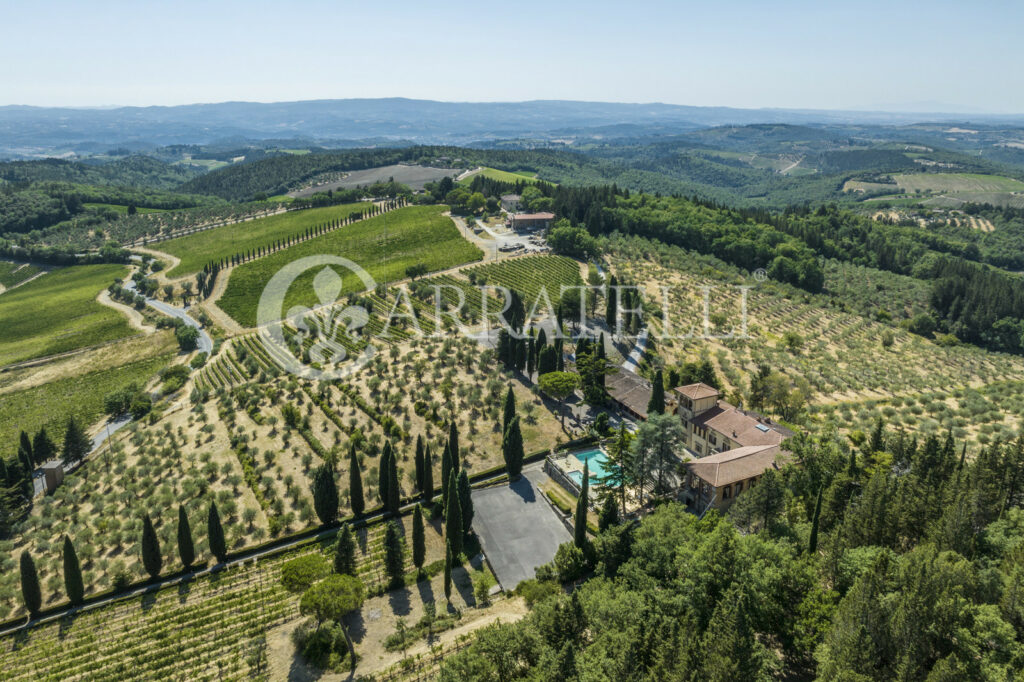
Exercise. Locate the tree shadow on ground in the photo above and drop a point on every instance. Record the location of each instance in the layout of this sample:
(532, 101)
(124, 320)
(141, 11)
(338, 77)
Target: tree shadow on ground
(524, 489)
(426, 590)
(464, 584)
(399, 601)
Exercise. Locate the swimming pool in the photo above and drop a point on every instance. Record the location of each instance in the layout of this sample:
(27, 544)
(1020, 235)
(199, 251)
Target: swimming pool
(596, 460)
(577, 477)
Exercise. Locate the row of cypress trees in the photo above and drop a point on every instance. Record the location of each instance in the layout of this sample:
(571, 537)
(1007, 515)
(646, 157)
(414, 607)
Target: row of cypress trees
(152, 558)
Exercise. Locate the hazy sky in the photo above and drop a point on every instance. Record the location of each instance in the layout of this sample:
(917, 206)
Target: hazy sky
(910, 56)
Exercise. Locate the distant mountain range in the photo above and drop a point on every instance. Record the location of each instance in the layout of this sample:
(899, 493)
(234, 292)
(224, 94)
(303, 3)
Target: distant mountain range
(27, 131)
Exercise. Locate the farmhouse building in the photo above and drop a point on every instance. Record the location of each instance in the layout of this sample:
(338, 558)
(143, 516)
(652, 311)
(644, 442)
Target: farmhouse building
(510, 202)
(630, 393)
(713, 482)
(531, 221)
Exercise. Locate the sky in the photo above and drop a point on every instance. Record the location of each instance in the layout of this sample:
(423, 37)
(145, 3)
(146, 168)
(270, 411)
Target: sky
(916, 56)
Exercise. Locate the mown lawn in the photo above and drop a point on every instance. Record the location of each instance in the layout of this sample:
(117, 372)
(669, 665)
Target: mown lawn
(196, 250)
(58, 312)
(414, 235)
(503, 176)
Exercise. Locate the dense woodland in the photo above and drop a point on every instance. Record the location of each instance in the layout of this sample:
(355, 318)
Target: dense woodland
(895, 560)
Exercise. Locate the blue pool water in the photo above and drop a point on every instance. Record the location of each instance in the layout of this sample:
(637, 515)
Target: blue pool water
(596, 461)
(577, 477)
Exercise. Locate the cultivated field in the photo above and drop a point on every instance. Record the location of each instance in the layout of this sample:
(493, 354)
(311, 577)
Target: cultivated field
(46, 395)
(236, 448)
(210, 628)
(413, 176)
(385, 246)
(12, 274)
(58, 312)
(196, 250)
(956, 182)
(841, 355)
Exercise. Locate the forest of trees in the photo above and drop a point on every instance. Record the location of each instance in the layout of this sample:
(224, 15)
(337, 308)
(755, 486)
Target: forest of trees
(896, 560)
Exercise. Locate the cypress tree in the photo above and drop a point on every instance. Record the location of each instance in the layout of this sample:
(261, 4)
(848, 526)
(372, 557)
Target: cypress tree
(546, 360)
(580, 523)
(394, 501)
(152, 560)
(345, 552)
(466, 500)
(656, 405)
(812, 546)
(325, 494)
(419, 545)
(73, 584)
(611, 303)
(419, 462)
(531, 357)
(453, 444)
(559, 356)
(510, 409)
(30, 590)
(394, 556)
(215, 534)
(448, 570)
(384, 474)
(542, 339)
(428, 476)
(186, 549)
(355, 484)
(446, 472)
(512, 449)
(453, 516)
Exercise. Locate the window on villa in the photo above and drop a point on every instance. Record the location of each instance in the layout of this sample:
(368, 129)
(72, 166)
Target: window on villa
(738, 487)
(726, 493)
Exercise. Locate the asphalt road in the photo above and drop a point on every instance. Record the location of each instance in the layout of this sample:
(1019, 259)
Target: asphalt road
(204, 344)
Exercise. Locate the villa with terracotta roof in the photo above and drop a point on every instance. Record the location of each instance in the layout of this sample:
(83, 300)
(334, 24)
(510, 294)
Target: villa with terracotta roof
(715, 481)
(731, 447)
(713, 425)
(531, 221)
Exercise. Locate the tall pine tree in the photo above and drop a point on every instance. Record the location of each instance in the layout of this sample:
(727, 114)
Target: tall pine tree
(394, 501)
(512, 449)
(419, 462)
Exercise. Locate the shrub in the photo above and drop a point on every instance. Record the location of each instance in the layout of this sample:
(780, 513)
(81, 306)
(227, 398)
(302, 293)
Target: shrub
(324, 647)
(299, 573)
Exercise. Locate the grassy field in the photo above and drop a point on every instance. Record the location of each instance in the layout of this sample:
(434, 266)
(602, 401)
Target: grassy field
(15, 273)
(80, 393)
(503, 176)
(956, 182)
(415, 235)
(196, 250)
(58, 312)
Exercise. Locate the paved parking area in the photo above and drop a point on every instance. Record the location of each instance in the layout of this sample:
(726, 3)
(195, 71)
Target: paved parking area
(518, 530)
